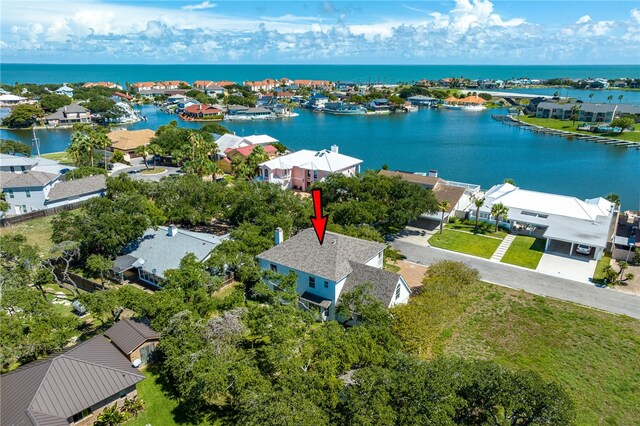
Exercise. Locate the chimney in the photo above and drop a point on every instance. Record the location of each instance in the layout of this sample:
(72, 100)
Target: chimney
(279, 236)
(173, 230)
(334, 148)
(433, 173)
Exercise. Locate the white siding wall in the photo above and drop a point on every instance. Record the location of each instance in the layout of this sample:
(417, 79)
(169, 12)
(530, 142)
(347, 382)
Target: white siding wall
(404, 294)
(35, 201)
(376, 261)
(327, 292)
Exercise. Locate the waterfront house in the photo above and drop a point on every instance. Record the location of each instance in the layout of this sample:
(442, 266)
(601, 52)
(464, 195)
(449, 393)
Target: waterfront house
(564, 222)
(299, 170)
(70, 387)
(161, 249)
(202, 112)
(421, 100)
(68, 115)
(11, 100)
(587, 112)
(459, 195)
(135, 339)
(212, 87)
(327, 271)
(261, 140)
(379, 106)
(230, 142)
(20, 164)
(242, 153)
(126, 141)
(346, 85)
(317, 101)
(64, 90)
(107, 84)
(119, 96)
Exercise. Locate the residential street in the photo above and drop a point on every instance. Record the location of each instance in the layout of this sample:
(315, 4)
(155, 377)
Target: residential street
(530, 281)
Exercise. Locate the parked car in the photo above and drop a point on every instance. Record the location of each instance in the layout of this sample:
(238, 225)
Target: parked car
(634, 231)
(583, 249)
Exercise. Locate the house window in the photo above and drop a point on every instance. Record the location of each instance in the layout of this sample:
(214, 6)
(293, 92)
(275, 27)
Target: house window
(274, 268)
(27, 193)
(398, 292)
(81, 415)
(315, 175)
(326, 284)
(10, 193)
(13, 169)
(312, 282)
(22, 168)
(23, 208)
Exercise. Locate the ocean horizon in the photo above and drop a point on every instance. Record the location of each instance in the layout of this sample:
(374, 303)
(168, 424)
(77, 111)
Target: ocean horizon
(122, 73)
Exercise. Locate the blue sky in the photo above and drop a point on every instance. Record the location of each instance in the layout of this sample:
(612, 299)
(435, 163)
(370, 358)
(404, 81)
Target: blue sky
(321, 32)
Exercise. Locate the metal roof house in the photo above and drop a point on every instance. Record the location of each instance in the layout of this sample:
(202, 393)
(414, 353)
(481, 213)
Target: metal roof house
(161, 249)
(563, 221)
(71, 387)
(135, 339)
(325, 271)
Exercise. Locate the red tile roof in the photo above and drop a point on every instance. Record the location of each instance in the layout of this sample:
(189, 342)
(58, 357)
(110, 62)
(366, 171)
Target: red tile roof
(245, 151)
(204, 109)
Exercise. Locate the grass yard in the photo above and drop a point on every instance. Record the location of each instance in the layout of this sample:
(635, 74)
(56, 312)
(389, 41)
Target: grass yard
(568, 125)
(159, 408)
(598, 275)
(524, 251)
(37, 231)
(463, 242)
(62, 157)
(155, 171)
(592, 354)
(484, 228)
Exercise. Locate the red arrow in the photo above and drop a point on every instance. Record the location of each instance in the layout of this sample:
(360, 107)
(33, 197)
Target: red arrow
(318, 221)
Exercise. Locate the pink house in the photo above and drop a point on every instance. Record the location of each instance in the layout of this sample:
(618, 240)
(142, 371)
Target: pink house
(301, 169)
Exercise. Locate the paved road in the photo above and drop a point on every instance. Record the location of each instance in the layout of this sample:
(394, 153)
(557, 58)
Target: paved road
(530, 281)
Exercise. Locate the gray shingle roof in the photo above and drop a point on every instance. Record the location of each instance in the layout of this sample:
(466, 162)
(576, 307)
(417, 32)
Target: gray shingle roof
(383, 282)
(160, 251)
(78, 187)
(49, 391)
(330, 260)
(30, 179)
(128, 334)
(63, 111)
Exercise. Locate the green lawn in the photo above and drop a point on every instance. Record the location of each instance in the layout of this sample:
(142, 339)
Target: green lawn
(153, 171)
(62, 157)
(592, 354)
(598, 275)
(484, 228)
(159, 408)
(569, 126)
(38, 231)
(476, 245)
(524, 251)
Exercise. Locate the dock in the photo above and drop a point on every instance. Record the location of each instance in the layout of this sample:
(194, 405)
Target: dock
(510, 120)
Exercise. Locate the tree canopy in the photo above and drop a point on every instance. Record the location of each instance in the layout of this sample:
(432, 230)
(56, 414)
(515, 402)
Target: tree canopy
(8, 146)
(23, 115)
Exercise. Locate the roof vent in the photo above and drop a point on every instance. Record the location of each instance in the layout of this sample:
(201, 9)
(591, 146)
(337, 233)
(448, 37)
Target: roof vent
(334, 241)
(173, 230)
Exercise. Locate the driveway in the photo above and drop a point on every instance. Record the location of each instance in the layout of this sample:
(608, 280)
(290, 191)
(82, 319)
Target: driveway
(530, 281)
(570, 268)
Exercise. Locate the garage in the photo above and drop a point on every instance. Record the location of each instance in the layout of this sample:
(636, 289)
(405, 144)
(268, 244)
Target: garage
(569, 249)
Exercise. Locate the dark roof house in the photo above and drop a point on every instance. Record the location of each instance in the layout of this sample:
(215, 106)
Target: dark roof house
(67, 386)
(129, 334)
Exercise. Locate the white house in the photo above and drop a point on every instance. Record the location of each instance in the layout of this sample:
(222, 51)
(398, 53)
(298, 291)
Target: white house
(34, 190)
(325, 271)
(301, 169)
(162, 249)
(65, 90)
(20, 164)
(563, 221)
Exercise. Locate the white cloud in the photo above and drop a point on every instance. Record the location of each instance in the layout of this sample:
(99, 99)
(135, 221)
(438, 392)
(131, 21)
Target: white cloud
(584, 20)
(470, 32)
(200, 6)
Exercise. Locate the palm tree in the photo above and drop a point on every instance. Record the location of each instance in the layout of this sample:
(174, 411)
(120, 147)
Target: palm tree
(155, 150)
(478, 203)
(610, 98)
(620, 98)
(574, 113)
(143, 151)
(497, 211)
(443, 206)
(591, 96)
(81, 146)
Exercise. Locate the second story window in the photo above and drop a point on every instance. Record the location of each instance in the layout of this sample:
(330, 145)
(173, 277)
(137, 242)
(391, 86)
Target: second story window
(27, 193)
(312, 282)
(10, 193)
(274, 268)
(326, 284)
(398, 292)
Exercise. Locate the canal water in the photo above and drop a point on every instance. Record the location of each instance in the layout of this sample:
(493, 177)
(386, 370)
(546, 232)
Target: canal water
(462, 146)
